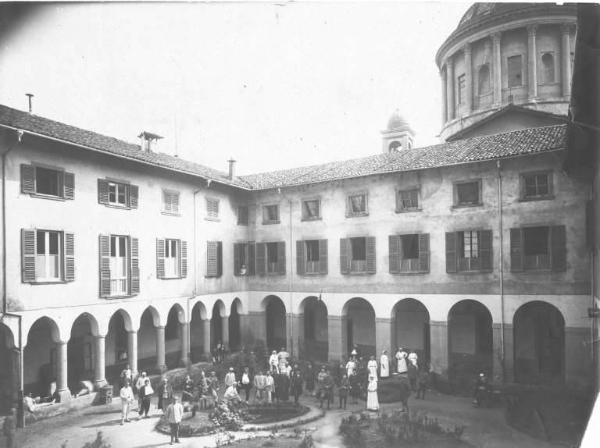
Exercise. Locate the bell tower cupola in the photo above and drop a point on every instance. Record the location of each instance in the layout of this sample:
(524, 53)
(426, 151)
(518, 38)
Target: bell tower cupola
(398, 135)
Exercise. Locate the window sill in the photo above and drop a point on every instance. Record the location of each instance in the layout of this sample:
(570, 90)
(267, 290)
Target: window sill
(358, 273)
(170, 278)
(115, 297)
(409, 210)
(48, 282)
(47, 196)
(169, 213)
(480, 271)
(242, 224)
(237, 274)
(357, 215)
(537, 198)
(410, 273)
(312, 219)
(118, 207)
(312, 274)
(535, 271)
(213, 276)
(212, 218)
(480, 204)
(274, 273)
(268, 223)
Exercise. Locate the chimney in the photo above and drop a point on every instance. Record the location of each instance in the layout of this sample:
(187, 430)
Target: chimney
(29, 97)
(147, 140)
(231, 168)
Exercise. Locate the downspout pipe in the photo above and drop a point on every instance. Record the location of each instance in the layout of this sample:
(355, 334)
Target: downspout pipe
(501, 235)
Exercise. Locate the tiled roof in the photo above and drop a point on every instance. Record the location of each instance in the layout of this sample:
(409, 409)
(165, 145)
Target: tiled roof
(476, 149)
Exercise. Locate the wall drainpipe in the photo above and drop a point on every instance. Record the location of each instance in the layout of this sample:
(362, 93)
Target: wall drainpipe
(501, 234)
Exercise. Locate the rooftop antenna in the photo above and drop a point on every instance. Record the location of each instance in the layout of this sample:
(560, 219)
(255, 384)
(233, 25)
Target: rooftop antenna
(29, 97)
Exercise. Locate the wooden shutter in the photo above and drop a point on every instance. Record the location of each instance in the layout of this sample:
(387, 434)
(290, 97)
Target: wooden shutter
(451, 261)
(250, 260)
(300, 258)
(261, 258)
(281, 257)
(102, 191)
(323, 257)
(238, 249)
(28, 248)
(424, 252)
(516, 250)
(104, 251)
(174, 202)
(27, 179)
(133, 196)
(211, 258)
(486, 250)
(160, 258)
(183, 261)
(69, 248)
(394, 253)
(558, 247)
(134, 266)
(345, 255)
(219, 259)
(69, 185)
(371, 255)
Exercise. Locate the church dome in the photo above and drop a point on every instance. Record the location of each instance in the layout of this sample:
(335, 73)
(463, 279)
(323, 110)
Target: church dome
(397, 122)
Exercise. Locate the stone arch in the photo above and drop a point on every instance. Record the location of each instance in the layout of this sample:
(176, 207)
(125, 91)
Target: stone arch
(235, 330)
(539, 343)
(275, 322)
(315, 336)
(410, 328)
(198, 320)
(358, 326)
(9, 369)
(81, 350)
(40, 357)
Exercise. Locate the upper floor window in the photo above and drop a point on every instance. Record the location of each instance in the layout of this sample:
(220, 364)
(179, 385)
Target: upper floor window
(467, 193)
(271, 214)
(47, 256)
(536, 185)
(409, 253)
(170, 202)
(311, 209)
(243, 258)
(311, 257)
(469, 251)
(171, 258)
(270, 258)
(212, 208)
(117, 194)
(538, 248)
(462, 87)
(514, 66)
(484, 85)
(119, 265)
(49, 182)
(357, 205)
(242, 215)
(214, 258)
(547, 68)
(407, 200)
(357, 255)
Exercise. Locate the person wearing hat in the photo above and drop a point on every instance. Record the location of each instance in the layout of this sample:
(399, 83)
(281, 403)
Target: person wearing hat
(165, 394)
(230, 378)
(401, 356)
(273, 361)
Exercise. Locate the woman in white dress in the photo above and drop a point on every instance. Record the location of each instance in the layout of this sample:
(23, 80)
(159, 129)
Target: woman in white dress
(372, 399)
(401, 366)
(384, 365)
(350, 366)
(372, 366)
(413, 357)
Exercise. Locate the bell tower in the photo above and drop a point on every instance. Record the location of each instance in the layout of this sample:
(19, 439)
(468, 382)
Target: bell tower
(398, 135)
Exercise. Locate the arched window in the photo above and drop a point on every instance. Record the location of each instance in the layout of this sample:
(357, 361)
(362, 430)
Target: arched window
(484, 79)
(548, 67)
(395, 146)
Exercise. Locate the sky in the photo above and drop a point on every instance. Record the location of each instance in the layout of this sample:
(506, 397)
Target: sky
(273, 85)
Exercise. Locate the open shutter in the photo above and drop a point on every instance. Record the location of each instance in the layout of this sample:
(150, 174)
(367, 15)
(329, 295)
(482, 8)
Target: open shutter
(300, 258)
(102, 191)
(394, 253)
(104, 251)
(183, 266)
(558, 241)
(260, 258)
(485, 250)
(516, 250)
(27, 179)
(219, 259)
(371, 255)
(28, 245)
(133, 196)
(69, 185)
(323, 257)
(211, 258)
(69, 242)
(450, 252)
(160, 258)
(424, 252)
(250, 260)
(345, 255)
(174, 202)
(281, 257)
(134, 266)
(237, 257)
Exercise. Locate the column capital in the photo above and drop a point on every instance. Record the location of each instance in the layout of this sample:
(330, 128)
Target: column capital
(565, 28)
(496, 37)
(467, 47)
(449, 63)
(531, 30)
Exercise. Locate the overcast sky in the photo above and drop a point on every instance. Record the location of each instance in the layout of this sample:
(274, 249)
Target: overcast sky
(272, 85)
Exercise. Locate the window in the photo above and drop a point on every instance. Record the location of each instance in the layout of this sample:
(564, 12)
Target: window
(407, 200)
(467, 193)
(171, 258)
(214, 258)
(117, 194)
(311, 257)
(170, 202)
(212, 208)
(395, 146)
(271, 214)
(469, 251)
(409, 253)
(243, 259)
(356, 205)
(311, 209)
(357, 255)
(538, 248)
(49, 182)
(536, 186)
(484, 85)
(270, 258)
(547, 68)
(462, 87)
(242, 215)
(514, 68)
(119, 266)
(47, 256)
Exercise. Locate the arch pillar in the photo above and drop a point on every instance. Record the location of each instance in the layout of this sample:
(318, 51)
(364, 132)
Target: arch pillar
(498, 360)
(225, 331)
(293, 328)
(438, 331)
(206, 338)
(160, 349)
(100, 364)
(185, 343)
(383, 334)
(335, 332)
(132, 351)
(62, 382)
(509, 354)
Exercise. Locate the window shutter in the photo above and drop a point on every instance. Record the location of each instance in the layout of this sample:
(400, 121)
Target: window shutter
(134, 266)
(160, 258)
(300, 258)
(183, 259)
(69, 185)
(237, 257)
(345, 255)
(69, 249)
(486, 250)
(175, 202)
(394, 253)
(371, 255)
(27, 179)
(219, 259)
(104, 252)
(558, 241)
(28, 245)
(211, 259)
(281, 257)
(450, 252)
(250, 262)
(516, 250)
(260, 258)
(133, 196)
(323, 257)
(102, 191)
(424, 252)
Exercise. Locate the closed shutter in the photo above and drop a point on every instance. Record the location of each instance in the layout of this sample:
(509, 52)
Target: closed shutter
(486, 250)
(261, 258)
(134, 266)
(104, 251)
(300, 258)
(27, 179)
(102, 191)
(69, 242)
(238, 249)
(323, 255)
(516, 250)
(281, 257)
(69, 185)
(371, 255)
(394, 253)
(424, 252)
(450, 252)
(250, 260)
(211, 259)
(160, 258)
(345, 255)
(558, 240)
(133, 196)
(183, 267)
(28, 247)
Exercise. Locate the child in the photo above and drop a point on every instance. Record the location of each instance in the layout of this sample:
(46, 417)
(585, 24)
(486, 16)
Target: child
(343, 391)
